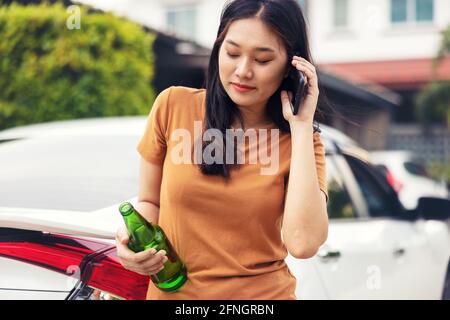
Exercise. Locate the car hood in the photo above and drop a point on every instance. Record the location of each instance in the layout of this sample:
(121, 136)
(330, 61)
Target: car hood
(96, 224)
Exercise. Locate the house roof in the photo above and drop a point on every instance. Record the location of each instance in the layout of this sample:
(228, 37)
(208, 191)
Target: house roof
(406, 73)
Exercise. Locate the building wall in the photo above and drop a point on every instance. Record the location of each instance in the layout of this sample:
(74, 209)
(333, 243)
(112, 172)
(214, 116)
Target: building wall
(432, 146)
(369, 129)
(370, 35)
(153, 13)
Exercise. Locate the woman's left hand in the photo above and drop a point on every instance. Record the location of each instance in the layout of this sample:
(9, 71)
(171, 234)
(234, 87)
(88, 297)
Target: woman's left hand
(309, 103)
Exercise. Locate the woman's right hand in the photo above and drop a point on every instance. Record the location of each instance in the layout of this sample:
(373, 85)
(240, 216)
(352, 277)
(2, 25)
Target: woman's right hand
(148, 262)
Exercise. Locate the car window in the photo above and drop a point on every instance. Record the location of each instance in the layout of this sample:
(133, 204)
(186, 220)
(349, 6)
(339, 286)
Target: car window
(416, 168)
(81, 172)
(380, 197)
(339, 204)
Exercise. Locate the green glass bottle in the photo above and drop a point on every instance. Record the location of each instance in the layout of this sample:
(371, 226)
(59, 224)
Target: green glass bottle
(144, 235)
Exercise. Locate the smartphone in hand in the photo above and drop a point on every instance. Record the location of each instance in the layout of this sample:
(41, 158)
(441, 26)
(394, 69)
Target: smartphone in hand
(295, 83)
(299, 93)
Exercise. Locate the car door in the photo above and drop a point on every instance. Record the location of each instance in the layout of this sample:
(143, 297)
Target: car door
(351, 261)
(411, 269)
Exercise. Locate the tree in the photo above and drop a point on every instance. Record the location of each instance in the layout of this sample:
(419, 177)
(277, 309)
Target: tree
(50, 72)
(433, 102)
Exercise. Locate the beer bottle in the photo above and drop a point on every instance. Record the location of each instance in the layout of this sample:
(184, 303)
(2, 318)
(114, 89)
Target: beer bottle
(144, 235)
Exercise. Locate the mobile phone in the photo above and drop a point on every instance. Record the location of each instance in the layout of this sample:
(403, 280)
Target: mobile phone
(299, 93)
(295, 83)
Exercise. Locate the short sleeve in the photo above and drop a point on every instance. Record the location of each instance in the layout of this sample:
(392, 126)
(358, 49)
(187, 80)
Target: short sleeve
(153, 144)
(319, 152)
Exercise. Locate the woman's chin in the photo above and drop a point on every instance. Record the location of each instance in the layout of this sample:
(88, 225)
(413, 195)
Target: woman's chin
(241, 100)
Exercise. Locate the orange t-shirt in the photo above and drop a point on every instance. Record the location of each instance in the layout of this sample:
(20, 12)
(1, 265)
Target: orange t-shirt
(228, 234)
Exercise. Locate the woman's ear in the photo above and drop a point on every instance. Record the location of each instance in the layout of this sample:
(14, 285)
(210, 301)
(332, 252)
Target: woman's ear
(288, 69)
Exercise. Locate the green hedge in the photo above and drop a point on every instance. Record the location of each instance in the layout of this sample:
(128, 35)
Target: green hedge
(49, 72)
(432, 104)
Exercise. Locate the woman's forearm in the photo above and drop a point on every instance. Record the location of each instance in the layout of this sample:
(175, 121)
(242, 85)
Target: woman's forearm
(305, 221)
(148, 210)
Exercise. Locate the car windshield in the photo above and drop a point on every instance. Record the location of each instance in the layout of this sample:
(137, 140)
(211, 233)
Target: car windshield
(68, 173)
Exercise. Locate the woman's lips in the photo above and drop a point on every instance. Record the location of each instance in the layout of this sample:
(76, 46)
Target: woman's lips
(241, 89)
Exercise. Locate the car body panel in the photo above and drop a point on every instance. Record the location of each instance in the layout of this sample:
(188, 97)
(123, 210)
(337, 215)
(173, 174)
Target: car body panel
(413, 186)
(26, 281)
(99, 225)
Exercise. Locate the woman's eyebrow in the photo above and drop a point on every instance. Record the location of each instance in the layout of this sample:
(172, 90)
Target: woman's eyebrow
(264, 49)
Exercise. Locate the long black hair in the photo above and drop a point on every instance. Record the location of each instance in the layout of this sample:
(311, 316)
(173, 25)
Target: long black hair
(286, 19)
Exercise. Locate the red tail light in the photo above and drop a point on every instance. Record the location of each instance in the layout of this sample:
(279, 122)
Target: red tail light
(396, 184)
(97, 263)
(109, 275)
(58, 253)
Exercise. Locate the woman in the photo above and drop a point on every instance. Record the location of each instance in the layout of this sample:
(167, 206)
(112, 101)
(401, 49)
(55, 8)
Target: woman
(232, 222)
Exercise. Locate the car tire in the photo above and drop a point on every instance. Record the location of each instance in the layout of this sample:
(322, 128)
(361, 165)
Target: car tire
(446, 291)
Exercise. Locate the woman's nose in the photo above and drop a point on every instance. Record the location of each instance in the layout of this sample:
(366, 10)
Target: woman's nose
(243, 69)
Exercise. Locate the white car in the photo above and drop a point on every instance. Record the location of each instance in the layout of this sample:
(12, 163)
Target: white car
(408, 176)
(61, 183)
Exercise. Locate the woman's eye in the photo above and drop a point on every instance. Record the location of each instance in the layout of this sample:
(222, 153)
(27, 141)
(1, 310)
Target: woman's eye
(258, 61)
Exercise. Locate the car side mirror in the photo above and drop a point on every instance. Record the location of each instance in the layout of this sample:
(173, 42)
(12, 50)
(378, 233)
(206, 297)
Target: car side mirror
(433, 208)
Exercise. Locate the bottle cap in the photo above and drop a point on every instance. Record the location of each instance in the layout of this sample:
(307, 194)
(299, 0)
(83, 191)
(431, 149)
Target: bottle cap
(125, 208)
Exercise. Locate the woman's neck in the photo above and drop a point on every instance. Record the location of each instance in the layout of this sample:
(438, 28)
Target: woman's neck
(253, 118)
